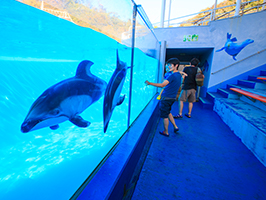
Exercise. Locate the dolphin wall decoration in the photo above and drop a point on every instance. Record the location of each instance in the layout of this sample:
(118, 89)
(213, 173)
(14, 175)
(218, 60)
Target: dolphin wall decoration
(65, 100)
(233, 48)
(112, 96)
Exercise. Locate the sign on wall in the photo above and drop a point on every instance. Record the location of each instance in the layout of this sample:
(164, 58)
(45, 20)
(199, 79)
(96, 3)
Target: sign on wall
(191, 38)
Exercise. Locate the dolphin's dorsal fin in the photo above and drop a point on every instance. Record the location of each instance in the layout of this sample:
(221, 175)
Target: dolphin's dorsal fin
(234, 39)
(83, 69)
(119, 64)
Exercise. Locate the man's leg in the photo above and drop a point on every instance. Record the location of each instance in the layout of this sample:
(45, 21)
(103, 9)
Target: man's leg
(181, 105)
(190, 106)
(166, 124)
(171, 118)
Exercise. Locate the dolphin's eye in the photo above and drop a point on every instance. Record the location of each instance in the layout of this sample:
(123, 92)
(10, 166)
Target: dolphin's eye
(54, 112)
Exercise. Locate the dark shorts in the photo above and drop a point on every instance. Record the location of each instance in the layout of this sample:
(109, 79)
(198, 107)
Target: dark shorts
(165, 107)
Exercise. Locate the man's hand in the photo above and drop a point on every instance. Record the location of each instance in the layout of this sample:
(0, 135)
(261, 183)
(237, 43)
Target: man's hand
(183, 74)
(147, 82)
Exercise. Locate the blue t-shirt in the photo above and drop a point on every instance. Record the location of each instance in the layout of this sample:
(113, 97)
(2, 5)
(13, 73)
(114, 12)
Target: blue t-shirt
(167, 74)
(171, 89)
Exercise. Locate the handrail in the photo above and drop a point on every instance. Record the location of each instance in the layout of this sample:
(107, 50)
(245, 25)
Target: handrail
(238, 61)
(243, 11)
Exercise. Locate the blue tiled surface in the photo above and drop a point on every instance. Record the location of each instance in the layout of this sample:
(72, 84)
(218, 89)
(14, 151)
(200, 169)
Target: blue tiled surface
(204, 161)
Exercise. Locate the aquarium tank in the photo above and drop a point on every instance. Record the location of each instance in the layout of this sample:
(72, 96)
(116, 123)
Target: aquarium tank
(71, 85)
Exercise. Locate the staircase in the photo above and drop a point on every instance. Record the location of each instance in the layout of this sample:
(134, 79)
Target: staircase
(245, 116)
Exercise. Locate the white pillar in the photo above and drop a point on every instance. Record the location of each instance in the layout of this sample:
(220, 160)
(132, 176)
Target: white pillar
(42, 6)
(162, 13)
(263, 7)
(214, 10)
(169, 13)
(238, 4)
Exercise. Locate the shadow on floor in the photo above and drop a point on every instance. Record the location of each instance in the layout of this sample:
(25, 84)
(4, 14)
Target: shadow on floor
(205, 160)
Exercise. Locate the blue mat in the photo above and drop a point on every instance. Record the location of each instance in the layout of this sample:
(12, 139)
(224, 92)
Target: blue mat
(205, 160)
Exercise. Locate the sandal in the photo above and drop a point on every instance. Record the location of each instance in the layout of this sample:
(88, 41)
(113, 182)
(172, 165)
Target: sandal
(188, 115)
(176, 130)
(178, 116)
(163, 133)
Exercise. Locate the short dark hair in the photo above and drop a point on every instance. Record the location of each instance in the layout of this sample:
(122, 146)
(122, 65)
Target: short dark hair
(174, 61)
(195, 62)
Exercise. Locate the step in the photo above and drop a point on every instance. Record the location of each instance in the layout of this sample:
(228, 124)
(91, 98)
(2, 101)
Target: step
(227, 93)
(213, 95)
(254, 78)
(247, 122)
(246, 83)
(206, 103)
(253, 101)
(263, 72)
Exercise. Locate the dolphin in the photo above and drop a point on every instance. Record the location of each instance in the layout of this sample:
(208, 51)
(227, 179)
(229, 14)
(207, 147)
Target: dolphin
(234, 48)
(112, 96)
(65, 100)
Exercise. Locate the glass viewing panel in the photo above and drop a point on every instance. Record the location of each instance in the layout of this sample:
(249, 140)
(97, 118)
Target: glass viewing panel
(53, 115)
(146, 64)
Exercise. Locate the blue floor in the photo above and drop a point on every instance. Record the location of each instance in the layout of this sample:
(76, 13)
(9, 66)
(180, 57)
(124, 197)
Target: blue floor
(204, 161)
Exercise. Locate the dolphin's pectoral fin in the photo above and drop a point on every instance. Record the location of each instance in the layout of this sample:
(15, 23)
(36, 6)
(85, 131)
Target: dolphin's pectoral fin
(234, 57)
(79, 121)
(121, 99)
(220, 49)
(54, 127)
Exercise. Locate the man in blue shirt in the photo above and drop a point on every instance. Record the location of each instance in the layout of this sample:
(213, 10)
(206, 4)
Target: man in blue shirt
(171, 86)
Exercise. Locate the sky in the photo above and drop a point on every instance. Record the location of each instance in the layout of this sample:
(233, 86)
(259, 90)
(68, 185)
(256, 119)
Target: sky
(179, 8)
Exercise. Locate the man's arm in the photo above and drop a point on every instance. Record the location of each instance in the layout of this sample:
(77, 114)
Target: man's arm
(161, 85)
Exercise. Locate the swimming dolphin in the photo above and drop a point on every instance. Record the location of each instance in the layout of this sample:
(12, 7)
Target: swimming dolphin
(65, 100)
(112, 96)
(234, 48)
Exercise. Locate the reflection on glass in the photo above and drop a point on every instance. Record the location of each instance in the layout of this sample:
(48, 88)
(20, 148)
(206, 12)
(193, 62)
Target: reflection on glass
(146, 65)
(40, 51)
(101, 15)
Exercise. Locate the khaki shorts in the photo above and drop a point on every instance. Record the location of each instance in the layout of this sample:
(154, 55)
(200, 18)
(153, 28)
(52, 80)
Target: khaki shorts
(188, 95)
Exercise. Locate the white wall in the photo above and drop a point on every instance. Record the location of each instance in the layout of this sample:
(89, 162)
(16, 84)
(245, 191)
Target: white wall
(251, 26)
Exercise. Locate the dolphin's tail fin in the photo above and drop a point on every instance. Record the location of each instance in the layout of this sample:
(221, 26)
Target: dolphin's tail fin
(83, 69)
(220, 49)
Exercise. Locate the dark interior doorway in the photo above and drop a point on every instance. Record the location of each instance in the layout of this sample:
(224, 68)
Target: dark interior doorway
(186, 54)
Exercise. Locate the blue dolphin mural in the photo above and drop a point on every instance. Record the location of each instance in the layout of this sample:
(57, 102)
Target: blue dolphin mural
(233, 48)
(112, 94)
(65, 100)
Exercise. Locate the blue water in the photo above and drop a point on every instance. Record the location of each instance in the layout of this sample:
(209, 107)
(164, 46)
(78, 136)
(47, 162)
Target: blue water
(52, 164)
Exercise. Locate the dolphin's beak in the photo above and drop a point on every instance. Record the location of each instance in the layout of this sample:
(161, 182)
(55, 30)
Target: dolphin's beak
(28, 125)
(25, 128)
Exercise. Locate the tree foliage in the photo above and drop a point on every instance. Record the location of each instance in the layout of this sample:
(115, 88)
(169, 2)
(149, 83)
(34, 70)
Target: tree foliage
(84, 14)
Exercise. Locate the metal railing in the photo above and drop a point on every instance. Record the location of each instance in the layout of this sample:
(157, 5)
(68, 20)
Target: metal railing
(238, 61)
(204, 17)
